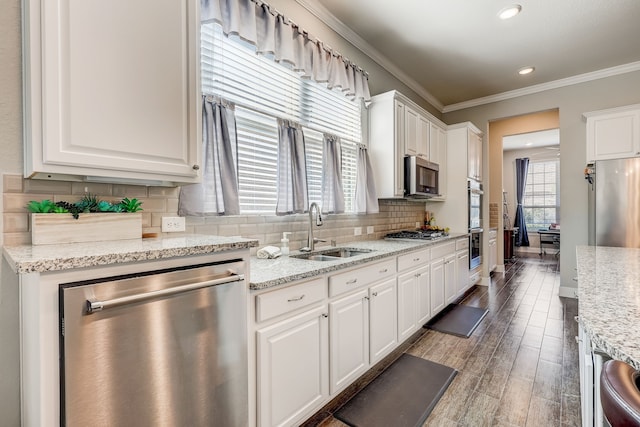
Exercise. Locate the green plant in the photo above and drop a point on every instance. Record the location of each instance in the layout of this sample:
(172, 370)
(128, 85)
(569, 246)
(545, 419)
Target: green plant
(44, 206)
(131, 205)
(88, 203)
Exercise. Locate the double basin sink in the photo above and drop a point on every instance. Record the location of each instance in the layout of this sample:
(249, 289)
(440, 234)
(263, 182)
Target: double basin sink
(332, 254)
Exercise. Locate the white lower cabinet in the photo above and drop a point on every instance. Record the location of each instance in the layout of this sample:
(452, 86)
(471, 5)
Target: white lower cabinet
(462, 267)
(407, 307)
(383, 305)
(292, 368)
(436, 274)
(450, 282)
(349, 331)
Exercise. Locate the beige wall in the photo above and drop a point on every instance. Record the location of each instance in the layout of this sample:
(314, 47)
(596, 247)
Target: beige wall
(571, 101)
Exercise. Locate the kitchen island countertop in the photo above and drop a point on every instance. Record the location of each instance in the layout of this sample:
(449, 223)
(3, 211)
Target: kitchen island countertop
(267, 273)
(38, 259)
(609, 299)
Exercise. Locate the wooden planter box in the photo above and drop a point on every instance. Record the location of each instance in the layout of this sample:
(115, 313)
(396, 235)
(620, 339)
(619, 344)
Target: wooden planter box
(51, 228)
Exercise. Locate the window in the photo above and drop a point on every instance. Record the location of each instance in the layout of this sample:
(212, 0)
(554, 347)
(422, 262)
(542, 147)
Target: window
(264, 90)
(541, 203)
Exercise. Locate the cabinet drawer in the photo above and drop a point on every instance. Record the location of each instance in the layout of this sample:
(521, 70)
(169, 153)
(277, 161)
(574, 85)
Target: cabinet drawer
(440, 251)
(462, 244)
(413, 259)
(344, 282)
(272, 304)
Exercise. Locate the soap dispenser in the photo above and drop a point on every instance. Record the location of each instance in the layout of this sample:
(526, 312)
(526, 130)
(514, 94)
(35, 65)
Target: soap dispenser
(284, 247)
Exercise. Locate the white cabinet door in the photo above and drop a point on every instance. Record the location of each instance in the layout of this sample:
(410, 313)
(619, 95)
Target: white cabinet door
(412, 132)
(474, 155)
(112, 90)
(424, 137)
(613, 135)
(293, 364)
(399, 148)
(437, 285)
(424, 295)
(349, 339)
(462, 265)
(450, 284)
(383, 305)
(438, 154)
(407, 307)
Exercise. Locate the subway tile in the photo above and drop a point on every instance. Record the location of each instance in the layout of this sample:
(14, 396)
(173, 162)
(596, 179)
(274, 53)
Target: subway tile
(44, 186)
(16, 239)
(130, 191)
(168, 192)
(11, 183)
(82, 188)
(17, 202)
(15, 222)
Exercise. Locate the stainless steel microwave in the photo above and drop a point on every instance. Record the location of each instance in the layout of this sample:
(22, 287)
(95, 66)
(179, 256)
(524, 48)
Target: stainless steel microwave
(420, 178)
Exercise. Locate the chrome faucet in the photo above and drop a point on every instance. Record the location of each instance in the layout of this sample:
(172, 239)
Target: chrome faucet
(311, 242)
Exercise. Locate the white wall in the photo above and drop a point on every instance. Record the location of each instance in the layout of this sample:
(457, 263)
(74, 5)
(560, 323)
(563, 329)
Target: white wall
(571, 101)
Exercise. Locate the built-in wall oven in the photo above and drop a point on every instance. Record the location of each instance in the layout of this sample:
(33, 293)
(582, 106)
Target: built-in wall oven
(475, 223)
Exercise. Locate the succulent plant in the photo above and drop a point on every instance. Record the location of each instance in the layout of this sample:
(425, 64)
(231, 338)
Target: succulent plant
(44, 206)
(88, 203)
(131, 205)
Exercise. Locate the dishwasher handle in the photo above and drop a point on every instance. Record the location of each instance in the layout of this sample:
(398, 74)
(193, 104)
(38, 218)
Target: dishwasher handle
(94, 306)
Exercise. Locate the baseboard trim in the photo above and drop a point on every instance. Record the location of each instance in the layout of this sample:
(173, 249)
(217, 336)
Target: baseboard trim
(485, 281)
(567, 292)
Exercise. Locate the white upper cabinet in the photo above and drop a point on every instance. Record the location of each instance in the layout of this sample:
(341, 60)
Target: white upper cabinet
(398, 128)
(474, 155)
(613, 133)
(112, 89)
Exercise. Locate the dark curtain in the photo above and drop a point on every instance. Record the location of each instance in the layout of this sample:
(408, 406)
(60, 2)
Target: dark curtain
(522, 165)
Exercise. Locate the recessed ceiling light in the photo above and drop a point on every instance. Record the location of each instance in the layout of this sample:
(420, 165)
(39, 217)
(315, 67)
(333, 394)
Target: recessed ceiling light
(510, 11)
(526, 70)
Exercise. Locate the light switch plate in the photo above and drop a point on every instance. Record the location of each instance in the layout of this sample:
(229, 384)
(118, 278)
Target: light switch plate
(370, 229)
(357, 231)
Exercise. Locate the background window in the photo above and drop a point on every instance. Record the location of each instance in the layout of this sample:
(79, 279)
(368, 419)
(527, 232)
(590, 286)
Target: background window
(541, 203)
(264, 90)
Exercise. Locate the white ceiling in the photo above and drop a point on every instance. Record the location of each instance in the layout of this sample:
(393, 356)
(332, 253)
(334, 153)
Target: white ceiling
(546, 138)
(454, 51)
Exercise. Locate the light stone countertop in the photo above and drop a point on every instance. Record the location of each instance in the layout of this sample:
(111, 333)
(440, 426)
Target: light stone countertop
(267, 273)
(31, 259)
(609, 300)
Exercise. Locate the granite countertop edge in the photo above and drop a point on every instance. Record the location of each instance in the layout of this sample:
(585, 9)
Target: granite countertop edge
(607, 295)
(270, 273)
(46, 258)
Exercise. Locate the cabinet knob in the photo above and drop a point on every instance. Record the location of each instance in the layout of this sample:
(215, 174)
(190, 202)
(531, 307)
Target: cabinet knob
(375, 294)
(296, 298)
(325, 315)
(195, 167)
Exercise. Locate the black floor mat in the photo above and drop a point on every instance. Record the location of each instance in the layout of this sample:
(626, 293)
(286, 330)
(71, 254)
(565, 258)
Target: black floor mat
(402, 396)
(457, 319)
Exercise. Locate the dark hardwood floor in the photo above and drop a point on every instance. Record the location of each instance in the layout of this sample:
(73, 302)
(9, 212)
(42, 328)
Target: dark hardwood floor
(520, 366)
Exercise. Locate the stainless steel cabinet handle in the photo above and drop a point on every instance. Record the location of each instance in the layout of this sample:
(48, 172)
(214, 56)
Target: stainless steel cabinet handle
(351, 282)
(418, 274)
(296, 299)
(416, 259)
(93, 306)
(375, 294)
(384, 271)
(196, 167)
(325, 315)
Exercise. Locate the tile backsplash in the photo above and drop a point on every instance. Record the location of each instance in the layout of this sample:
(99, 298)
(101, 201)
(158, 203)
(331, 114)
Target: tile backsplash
(157, 202)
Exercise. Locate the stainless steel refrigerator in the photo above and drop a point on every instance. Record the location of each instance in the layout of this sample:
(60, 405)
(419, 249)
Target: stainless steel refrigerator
(614, 202)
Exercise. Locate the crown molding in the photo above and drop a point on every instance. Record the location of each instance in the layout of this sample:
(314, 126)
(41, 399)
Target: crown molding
(321, 12)
(580, 78)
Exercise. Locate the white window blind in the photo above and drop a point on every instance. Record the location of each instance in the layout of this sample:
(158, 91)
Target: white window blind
(541, 202)
(264, 90)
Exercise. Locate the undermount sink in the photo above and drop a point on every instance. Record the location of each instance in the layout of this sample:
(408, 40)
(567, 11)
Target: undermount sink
(332, 254)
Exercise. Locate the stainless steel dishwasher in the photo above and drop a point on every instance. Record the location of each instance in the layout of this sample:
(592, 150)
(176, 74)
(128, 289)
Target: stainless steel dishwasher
(159, 348)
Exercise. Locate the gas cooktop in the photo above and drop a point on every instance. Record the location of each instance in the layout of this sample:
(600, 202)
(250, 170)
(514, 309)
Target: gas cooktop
(415, 235)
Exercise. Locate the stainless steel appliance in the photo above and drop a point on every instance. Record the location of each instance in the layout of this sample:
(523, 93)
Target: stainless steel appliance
(159, 348)
(421, 178)
(614, 202)
(474, 204)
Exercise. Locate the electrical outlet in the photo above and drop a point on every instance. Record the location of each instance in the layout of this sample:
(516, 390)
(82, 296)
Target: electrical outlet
(172, 224)
(370, 229)
(357, 231)
(417, 225)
